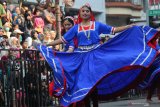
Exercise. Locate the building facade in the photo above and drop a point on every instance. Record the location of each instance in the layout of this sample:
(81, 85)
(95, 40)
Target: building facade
(121, 12)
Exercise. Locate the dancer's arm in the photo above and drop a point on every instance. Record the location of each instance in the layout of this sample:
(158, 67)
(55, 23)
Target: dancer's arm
(121, 28)
(53, 43)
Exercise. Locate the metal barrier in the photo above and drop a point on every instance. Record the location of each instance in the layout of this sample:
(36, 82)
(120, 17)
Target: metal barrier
(24, 79)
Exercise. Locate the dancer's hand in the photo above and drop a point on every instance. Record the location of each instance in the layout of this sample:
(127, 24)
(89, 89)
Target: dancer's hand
(131, 25)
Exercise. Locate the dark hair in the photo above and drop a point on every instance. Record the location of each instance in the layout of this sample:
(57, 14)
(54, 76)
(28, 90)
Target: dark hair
(69, 19)
(3, 1)
(36, 10)
(13, 35)
(87, 7)
(32, 33)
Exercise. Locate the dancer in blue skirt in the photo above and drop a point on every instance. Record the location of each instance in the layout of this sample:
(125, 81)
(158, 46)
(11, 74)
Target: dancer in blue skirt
(68, 22)
(152, 80)
(112, 68)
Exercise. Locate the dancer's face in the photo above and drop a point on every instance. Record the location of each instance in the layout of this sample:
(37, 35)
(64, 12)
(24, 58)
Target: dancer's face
(85, 13)
(67, 25)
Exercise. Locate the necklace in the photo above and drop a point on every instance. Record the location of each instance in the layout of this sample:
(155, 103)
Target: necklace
(89, 31)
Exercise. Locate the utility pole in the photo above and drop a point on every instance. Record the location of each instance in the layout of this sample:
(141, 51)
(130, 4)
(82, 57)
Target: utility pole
(58, 18)
(147, 11)
(20, 3)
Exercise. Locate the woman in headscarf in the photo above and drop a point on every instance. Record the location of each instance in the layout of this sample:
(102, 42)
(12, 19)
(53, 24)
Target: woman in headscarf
(112, 68)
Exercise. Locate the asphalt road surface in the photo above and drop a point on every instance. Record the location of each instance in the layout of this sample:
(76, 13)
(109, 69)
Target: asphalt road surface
(131, 103)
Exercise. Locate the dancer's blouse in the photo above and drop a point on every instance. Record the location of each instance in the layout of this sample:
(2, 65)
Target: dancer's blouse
(87, 35)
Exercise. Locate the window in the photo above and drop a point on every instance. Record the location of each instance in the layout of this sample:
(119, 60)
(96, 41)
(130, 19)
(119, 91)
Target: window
(137, 2)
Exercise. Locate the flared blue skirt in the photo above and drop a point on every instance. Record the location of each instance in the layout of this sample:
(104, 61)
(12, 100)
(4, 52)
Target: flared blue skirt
(153, 74)
(112, 68)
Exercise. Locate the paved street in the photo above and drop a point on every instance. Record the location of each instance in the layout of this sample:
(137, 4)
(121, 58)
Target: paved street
(141, 102)
(131, 103)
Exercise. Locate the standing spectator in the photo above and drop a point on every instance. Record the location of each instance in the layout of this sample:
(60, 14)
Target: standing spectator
(38, 20)
(24, 45)
(4, 45)
(19, 33)
(28, 39)
(15, 46)
(47, 37)
(7, 26)
(28, 21)
(14, 18)
(2, 13)
(35, 39)
(8, 17)
(53, 35)
(20, 18)
(49, 17)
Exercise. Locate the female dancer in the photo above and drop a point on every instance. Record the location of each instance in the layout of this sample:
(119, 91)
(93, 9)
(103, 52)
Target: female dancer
(112, 68)
(152, 80)
(68, 22)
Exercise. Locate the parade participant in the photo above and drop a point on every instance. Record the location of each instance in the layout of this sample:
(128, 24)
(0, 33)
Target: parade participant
(68, 22)
(112, 68)
(151, 82)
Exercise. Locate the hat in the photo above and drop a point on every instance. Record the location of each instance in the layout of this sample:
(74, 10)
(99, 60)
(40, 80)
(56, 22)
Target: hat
(39, 30)
(4, 3)
(17, 31)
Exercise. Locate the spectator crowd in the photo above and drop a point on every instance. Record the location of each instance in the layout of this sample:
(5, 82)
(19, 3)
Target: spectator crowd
(23, 28)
